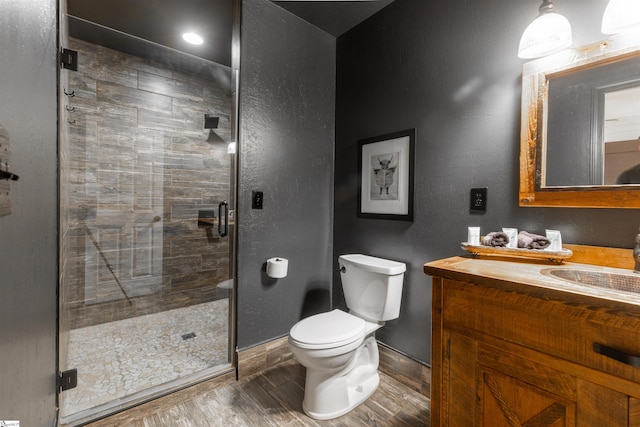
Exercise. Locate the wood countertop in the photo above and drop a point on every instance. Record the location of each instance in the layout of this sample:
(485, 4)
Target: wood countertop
(510, 274)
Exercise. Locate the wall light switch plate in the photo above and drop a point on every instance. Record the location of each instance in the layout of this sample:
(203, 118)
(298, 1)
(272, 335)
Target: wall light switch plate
(478, 199)
(257, 198)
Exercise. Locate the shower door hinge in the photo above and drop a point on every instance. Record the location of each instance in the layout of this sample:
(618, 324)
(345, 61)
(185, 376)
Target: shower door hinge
(69, 59)
(67, 379)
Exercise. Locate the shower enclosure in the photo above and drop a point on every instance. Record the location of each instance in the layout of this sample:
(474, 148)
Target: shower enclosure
(147, 195)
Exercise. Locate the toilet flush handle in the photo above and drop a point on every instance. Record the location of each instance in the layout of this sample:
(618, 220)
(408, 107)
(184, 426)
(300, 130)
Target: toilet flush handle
(342, 269)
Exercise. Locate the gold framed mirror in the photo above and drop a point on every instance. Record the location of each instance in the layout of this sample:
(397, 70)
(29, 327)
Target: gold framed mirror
(564, 151)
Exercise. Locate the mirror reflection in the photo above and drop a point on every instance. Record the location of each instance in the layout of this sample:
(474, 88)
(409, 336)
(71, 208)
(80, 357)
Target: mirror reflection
(622, 137)
(593, 126)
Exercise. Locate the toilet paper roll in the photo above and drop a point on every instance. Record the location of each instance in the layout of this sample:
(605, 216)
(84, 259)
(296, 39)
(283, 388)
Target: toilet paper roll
(277, 267)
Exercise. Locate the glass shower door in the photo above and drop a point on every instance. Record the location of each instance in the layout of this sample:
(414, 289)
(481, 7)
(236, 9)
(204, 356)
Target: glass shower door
(146, 195)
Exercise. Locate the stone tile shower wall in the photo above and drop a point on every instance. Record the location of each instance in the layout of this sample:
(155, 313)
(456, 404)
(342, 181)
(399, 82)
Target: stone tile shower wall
(137, 168)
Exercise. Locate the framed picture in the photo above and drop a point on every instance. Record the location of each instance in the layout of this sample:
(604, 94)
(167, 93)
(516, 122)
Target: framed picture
(385, 169)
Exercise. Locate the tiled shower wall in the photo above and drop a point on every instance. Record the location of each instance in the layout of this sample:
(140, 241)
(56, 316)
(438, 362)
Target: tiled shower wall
(137, 166)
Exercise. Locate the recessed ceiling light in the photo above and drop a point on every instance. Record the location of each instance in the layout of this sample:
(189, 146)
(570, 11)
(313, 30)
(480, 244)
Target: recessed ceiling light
(192, 38)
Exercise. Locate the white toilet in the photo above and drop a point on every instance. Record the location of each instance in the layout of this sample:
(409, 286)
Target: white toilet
(339, 349)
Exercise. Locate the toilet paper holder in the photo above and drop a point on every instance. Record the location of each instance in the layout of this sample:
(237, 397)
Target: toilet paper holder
(277, 267)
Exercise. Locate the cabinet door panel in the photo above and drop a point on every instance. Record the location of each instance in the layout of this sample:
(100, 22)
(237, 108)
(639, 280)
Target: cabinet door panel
(460, 397)
(528, 370)
(509, 402)
(599, 406)
(634, 412)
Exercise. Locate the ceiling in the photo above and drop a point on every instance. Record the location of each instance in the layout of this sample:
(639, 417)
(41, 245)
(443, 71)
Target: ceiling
(160, 21)
(334, 17)
(164, 21)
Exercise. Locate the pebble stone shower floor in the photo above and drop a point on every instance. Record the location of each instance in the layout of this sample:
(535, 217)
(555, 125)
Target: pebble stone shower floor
(120, 358)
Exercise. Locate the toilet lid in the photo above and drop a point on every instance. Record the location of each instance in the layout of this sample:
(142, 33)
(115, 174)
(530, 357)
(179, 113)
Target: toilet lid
(334, 327)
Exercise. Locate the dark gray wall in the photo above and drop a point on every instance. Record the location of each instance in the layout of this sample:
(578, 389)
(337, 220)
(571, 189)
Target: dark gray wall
(28, 254)
(287, 98)
(449, 69)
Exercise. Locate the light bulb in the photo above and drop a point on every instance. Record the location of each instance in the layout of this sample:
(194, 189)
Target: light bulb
(192, 38)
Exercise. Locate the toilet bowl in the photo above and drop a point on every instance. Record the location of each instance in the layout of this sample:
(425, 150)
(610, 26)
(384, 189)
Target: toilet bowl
(339, 349)
(340, 353)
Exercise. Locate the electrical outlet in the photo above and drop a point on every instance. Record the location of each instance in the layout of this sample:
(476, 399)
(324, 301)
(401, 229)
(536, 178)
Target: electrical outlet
(478, 199)
(256, 199)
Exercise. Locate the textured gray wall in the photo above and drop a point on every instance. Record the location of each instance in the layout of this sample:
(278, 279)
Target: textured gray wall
(287, 98)
(449, 69)
(28, 254)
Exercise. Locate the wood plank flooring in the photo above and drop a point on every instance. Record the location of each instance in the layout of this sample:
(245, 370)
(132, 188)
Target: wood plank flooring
(273, 398)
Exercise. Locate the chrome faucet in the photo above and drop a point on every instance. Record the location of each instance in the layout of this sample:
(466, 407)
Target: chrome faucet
(636, 255)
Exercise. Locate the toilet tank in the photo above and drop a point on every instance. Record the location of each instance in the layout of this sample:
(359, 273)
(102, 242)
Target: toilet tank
(372, 286)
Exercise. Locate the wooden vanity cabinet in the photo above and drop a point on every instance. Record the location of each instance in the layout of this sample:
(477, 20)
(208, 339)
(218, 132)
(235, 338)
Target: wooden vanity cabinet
(510, 355)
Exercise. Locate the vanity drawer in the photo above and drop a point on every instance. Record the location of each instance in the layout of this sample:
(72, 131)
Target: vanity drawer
(558, 324)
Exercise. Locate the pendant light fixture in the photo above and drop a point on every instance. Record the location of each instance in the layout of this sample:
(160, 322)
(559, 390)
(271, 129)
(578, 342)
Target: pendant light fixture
(621, 15)
(549, 33)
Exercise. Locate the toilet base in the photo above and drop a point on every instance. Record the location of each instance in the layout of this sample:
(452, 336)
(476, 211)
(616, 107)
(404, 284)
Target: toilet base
(330, 395)
(356, 397)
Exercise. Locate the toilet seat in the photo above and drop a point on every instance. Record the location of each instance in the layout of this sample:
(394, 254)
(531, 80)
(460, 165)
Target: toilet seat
(327, 330)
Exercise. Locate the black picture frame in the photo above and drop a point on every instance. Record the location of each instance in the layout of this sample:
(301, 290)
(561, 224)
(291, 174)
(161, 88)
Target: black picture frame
(385, 176)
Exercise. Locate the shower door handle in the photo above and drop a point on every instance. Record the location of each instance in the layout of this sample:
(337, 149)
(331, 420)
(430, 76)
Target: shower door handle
(226, 218)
